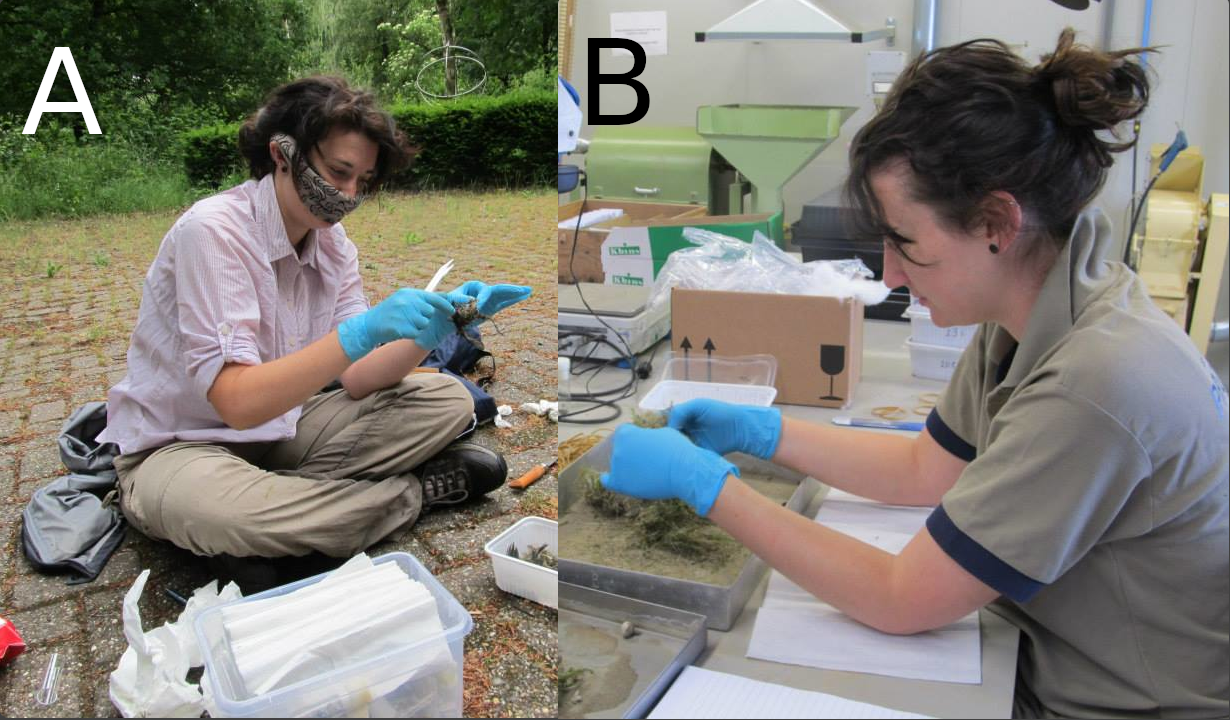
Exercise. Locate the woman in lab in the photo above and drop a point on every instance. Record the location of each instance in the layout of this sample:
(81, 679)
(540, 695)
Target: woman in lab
(1077, 460)
(253, 304)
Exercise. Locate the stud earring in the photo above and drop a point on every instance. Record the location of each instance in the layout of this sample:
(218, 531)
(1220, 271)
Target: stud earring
(994, 249)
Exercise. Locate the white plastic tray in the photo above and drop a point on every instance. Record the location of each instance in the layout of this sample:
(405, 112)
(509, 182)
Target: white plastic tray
(925, 332)
(672, 392)
(522, 577)
(933, 362)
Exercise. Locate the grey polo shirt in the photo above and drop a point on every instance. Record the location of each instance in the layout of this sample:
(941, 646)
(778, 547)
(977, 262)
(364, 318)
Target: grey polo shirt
(1095, 498)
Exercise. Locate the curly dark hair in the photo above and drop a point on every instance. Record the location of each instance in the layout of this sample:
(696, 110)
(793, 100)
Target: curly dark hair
(974, 118)
(308, 110)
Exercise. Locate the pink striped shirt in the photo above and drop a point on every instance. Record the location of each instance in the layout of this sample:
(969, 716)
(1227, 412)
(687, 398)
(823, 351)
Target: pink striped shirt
(226, 287)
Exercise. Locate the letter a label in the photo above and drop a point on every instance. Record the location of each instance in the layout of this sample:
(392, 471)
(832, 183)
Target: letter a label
(61, 56)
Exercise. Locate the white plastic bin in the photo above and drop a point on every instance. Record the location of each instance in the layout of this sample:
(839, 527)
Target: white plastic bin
(522, 577)
(743, 379)
(925, 332)
(933, 362)
(672, 392)
(347, 689)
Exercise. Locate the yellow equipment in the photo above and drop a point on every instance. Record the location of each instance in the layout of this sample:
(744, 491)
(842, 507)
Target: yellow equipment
(1180, 248)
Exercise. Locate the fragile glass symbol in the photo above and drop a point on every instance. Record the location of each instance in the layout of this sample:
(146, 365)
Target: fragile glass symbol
(832, 362)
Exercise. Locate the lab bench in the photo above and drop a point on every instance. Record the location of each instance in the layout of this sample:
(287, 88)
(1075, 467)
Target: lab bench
(886, 381)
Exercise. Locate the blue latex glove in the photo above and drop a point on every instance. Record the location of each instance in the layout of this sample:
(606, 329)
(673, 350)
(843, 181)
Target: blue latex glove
(723, 427)
(410, 314)
(491, 298)
(661, 463)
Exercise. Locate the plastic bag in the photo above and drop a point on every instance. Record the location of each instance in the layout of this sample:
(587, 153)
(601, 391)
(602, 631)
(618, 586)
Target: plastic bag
(71, 525)
(720, 262)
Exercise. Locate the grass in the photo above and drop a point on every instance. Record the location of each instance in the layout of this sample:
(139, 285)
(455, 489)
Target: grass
(79, 181)
(100, 260)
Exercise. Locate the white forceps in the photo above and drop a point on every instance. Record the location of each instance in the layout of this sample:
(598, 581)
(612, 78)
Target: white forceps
(435, 279)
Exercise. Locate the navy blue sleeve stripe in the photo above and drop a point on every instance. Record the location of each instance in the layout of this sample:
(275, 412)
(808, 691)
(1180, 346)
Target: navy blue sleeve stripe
(948, 439)
(979, 561)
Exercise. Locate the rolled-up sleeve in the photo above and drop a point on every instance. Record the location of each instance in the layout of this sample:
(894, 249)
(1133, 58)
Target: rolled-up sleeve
(216, 301)
(351, 300)
(953, 423)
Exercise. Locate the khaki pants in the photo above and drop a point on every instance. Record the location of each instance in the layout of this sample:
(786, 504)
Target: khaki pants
(339, 486)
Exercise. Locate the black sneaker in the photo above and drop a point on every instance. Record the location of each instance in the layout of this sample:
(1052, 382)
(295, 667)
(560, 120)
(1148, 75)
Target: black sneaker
(257, 574)
(251, 574)
(460, 472)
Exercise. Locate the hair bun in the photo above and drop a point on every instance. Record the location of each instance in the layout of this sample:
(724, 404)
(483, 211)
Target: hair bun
(1090, 88)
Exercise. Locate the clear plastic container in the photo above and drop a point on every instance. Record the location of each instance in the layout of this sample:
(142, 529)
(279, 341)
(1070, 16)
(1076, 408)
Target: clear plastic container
(743, 379)
(345, 691)
(923, 331)
(933, 362)
(522, 577)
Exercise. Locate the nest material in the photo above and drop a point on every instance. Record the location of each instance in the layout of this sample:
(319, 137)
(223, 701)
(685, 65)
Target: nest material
(537, 554)
(649, 419)
(467, 314)
(662, 524)
(570, 679)
(605, 502)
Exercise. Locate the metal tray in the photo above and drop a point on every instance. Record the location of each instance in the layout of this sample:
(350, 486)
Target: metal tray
(626, 676)
(720, 604)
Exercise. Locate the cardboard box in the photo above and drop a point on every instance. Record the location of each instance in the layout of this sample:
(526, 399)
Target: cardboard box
(657, 241)
(587, 263)
(818, 341)
(639, 272)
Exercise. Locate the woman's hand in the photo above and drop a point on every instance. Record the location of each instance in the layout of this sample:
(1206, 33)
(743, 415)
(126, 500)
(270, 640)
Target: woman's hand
(661, 463)
(723, 427)
(490, 299)
(407, 314)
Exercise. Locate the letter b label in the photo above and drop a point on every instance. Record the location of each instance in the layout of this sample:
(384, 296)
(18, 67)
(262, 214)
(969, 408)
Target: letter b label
(596, 79)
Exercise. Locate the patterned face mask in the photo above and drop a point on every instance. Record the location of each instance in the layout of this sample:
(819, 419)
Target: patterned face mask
(322, 199)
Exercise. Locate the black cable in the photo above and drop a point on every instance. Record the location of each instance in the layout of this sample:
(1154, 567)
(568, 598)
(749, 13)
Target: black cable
(596, 399)
(1127, 248)
(1136, 216)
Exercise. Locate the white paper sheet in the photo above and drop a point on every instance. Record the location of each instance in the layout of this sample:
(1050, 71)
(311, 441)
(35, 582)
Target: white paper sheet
(700, 693)
(151, 678)
(646, 28)
(591, 217)
(360, 610)
(794, 627)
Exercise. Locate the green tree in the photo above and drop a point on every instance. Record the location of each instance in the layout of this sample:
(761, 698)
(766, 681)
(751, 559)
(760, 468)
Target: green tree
(510, 37)
(513, 37)
(216, 53)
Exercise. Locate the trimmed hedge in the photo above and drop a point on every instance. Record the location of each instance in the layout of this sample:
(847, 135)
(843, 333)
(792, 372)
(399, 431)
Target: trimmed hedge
(212, 153)
(502, 141)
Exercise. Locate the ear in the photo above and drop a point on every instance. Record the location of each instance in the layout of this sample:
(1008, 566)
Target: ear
(1002, 218)
(275, 153)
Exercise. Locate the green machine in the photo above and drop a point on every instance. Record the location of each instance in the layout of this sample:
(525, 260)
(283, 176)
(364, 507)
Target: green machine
(770, 144)
(649, 163)
(734, 150)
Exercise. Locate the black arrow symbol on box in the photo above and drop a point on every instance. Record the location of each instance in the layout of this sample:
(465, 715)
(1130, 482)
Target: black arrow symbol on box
(686, 345)
(709, 348)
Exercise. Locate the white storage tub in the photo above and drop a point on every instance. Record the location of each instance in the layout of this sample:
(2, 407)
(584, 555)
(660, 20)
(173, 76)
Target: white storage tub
(925, 332)
(522, 577)
(744, 380)
(346, 690)
(933, 362)
(672, 392)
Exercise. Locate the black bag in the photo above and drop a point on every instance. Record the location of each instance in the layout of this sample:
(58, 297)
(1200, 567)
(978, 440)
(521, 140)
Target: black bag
(459, 353)
(72, 524)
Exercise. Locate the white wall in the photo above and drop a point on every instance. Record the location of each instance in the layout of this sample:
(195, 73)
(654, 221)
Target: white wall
(719, 73)
(1192, 72)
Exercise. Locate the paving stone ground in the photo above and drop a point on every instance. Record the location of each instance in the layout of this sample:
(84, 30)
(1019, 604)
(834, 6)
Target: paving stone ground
(63, 339)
